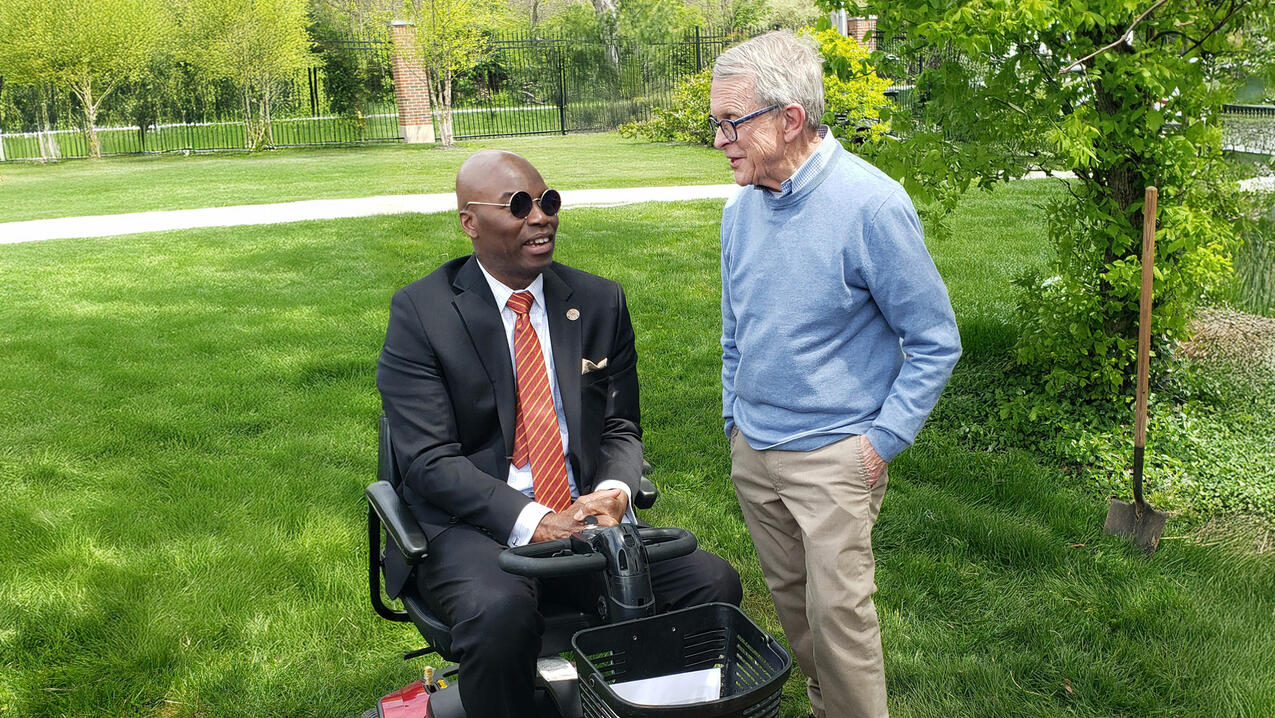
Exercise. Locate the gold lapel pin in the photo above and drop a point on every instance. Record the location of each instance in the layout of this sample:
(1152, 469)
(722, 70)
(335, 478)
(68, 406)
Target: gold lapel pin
(573, 314)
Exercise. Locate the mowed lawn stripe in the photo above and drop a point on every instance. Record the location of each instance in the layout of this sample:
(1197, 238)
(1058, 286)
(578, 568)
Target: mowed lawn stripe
(115, 185)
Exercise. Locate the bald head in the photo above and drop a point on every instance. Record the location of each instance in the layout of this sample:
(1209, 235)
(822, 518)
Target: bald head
(512, 249)
(488, 173)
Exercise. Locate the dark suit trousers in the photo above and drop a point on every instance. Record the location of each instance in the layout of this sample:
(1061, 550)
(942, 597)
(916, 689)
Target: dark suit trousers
(496, 624)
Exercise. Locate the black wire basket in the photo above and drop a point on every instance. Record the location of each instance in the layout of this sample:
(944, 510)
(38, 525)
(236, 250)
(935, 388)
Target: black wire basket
(717, 636)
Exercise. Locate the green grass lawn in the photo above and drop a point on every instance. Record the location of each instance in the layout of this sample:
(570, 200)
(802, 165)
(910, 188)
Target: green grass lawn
(133, 184)
(187, 422)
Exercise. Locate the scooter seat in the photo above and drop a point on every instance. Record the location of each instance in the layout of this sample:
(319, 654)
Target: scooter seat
(561, 623)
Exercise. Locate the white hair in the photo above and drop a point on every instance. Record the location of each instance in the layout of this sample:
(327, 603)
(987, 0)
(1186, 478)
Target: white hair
(785, 69)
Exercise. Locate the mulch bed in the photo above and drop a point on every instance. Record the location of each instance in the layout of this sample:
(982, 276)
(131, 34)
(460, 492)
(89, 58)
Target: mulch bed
(1246, 341)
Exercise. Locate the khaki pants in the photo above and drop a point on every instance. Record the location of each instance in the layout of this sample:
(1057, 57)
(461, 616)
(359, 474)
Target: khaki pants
(811, 514)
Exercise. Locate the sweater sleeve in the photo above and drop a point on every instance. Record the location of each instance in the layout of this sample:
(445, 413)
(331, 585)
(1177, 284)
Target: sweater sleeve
(730, 352)
(907, 288)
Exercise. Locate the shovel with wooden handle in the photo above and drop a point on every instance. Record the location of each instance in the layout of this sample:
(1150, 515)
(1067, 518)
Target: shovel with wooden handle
(1138, 520)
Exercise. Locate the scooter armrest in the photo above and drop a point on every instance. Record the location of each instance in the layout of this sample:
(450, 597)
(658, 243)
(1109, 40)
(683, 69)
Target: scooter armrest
(646, 494)
(400, 525)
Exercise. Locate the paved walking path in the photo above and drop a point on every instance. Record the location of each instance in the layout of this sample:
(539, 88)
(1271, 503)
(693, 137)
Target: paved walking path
(114, 224)
(109, 225)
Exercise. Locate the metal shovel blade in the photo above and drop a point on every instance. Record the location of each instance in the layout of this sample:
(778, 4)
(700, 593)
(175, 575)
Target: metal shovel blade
(1143, 526)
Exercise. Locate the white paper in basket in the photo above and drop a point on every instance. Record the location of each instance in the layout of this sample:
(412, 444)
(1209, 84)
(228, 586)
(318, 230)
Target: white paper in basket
(673, 690)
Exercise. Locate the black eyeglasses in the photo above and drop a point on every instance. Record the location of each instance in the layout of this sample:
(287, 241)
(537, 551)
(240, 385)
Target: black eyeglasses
(520, 203)
(730, 128)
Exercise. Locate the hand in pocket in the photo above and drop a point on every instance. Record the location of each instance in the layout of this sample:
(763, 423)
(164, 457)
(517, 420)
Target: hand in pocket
(873, 464)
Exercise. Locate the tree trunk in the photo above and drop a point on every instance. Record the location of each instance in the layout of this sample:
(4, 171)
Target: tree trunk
(48, 143)
(256, 120)
(608, 9)
(247, 118)
(440, 84)
(95, 145)
(448, 129)
(84, 90)
(267, 126)
(1123, 184)
(2, 157)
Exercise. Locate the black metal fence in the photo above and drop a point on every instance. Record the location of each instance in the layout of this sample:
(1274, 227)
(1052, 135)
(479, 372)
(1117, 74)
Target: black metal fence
(536, 85)
(525, 85)
(347, 96)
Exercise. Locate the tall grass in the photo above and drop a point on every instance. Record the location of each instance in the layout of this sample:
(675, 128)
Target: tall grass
(1253, 288)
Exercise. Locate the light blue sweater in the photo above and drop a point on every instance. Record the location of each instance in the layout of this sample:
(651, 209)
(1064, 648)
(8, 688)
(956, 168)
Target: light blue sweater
(834, 319)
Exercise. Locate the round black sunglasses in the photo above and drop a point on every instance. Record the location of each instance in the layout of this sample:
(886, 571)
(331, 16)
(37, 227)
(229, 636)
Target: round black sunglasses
(520, 203)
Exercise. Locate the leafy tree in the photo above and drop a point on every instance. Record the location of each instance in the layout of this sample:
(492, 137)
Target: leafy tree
(1125, 93)
(6, 109)
(683, 119)
(450, 37)
(353, 82)
(143, 101)
(449, 34)
(259, 45)
(787, 13)
(853, 99)
(620, 22)
(530, 13)
(736, 13)
(87, 46)
(360, 17)
(654, 21)
(1254, 65)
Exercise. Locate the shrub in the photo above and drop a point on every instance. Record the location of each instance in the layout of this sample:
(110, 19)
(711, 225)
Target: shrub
(853, 93)
(1208, 431)
(853, 98)
(685, 119)
(1079, 327)
(1253, 289)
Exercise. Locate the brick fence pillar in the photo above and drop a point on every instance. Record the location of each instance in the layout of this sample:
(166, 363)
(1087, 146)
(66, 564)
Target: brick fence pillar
(411, 90)
(863, 29)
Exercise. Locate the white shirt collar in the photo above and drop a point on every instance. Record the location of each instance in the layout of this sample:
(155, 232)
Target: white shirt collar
(502, 292)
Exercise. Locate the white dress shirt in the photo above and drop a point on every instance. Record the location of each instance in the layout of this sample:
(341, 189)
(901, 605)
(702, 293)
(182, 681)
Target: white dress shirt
(520, 477)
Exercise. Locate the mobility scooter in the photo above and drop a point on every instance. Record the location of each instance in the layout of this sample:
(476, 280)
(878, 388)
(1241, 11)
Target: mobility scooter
(708, 661)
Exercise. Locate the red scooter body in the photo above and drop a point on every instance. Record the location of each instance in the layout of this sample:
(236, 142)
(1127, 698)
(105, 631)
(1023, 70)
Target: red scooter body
(410, 701)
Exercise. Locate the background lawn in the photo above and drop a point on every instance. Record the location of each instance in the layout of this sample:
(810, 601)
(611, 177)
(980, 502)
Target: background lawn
(135, 184)
(187, 423)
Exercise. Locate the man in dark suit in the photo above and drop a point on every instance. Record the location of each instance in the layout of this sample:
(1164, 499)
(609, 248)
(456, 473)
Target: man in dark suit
(510, 383)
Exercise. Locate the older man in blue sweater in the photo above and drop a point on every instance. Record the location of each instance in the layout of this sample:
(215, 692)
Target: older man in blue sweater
(837, 339)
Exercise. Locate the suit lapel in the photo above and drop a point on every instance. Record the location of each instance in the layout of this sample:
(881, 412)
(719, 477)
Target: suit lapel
(565, 337)
(477, 308)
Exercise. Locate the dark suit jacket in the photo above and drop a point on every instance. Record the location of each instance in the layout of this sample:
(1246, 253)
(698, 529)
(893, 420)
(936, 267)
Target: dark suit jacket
(447, 387)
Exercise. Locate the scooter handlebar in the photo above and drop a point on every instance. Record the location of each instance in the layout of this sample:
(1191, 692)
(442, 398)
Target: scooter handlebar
(665, 543)
(550, 559)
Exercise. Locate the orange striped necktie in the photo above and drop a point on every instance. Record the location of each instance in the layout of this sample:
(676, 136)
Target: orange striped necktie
(536, 435)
